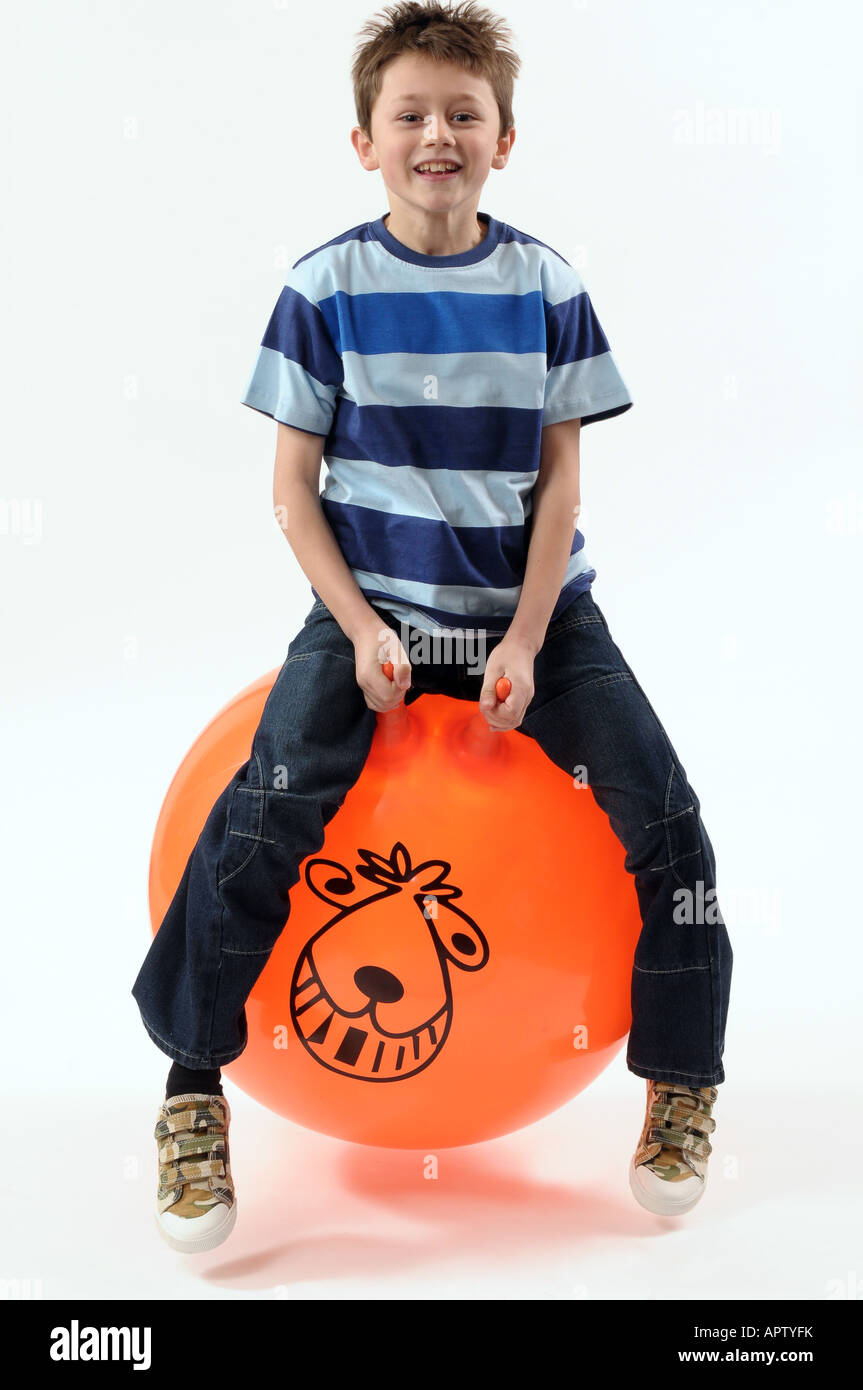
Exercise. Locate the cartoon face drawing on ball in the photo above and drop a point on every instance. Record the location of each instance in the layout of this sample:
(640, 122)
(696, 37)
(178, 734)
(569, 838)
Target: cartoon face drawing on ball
(371, 995)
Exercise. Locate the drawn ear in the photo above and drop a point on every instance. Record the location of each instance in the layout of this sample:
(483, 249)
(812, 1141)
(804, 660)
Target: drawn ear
(330, 880)
(459, 936)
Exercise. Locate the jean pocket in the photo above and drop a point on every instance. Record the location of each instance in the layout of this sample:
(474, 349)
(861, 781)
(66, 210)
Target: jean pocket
(244, 826)
(681, 828)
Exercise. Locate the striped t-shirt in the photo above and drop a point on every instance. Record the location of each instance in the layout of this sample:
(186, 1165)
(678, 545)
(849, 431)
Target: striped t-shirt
(431, 378)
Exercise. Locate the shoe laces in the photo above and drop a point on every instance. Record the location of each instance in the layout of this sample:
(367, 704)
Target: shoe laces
(681, 1117)
(192, 1143)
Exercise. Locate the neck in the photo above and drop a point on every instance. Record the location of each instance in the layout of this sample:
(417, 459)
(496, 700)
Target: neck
(443, 239)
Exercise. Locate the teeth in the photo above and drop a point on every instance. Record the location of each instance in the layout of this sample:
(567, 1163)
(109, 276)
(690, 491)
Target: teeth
(441, 168)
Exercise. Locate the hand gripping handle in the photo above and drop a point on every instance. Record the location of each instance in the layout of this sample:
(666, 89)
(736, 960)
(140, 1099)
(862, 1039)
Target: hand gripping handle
(502, 686)
(475, 738)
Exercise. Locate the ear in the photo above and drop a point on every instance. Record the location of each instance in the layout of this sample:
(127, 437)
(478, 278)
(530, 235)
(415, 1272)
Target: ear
(332, 881)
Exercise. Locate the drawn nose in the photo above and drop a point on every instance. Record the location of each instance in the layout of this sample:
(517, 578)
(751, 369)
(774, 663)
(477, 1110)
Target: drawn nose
(378, 984)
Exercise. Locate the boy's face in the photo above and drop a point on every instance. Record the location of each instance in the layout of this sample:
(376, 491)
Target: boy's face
(428, 110)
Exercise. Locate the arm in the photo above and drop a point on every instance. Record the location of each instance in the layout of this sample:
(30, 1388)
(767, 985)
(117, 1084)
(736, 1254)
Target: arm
(297, 505)
(298, 510)
(556, 505)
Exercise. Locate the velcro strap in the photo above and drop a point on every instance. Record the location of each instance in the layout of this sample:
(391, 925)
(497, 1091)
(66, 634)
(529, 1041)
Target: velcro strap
(683, 1115)
(187, 1171)
(195, 1144)
(201, 1117)
(679, 1139)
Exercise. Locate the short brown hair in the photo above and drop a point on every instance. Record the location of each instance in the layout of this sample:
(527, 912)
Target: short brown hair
(466, 34)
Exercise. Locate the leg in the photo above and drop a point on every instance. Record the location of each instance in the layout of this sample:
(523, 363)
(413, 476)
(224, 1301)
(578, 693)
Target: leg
(589, 710)
(233, 901)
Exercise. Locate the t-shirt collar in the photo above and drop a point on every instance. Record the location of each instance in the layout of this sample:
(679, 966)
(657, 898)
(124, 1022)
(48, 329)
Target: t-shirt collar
(406, 253)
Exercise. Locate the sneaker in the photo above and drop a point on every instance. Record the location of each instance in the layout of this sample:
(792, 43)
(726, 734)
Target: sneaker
(668, 1171)
(195, 1206)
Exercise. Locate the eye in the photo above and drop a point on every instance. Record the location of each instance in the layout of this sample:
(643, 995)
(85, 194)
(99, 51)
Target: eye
(411, 116)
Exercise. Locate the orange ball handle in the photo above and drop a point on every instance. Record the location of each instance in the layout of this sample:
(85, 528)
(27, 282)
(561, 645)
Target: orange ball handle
(503, 685)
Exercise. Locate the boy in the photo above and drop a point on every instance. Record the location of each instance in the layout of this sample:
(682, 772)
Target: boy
(443, 363)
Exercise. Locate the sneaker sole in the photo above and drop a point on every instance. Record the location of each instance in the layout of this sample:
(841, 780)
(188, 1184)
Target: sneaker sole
(197, 1245)
(660, 1204)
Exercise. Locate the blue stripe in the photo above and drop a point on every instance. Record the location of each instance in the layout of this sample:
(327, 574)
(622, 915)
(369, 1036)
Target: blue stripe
(297, 329)
(438, 436)
(574, 331)
(435, 322)
(412, 547)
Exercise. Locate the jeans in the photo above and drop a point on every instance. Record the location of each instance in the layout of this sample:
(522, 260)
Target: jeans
(588, 709)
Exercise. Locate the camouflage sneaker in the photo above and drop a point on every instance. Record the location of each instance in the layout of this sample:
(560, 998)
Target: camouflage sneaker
(668, 1171)
(195, 1206)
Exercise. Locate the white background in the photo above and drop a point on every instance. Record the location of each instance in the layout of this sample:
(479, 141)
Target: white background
(165, 161)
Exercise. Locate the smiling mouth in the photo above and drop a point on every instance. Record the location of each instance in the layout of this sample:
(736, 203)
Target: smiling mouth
(438, 173)
(352, 1043)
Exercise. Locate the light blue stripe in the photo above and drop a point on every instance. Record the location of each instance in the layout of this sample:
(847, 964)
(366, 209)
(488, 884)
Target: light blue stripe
(366, 267)
(559, 280)
(282, 388)
(477, 603)
(467, 379)
(582, 388)
(482, 497)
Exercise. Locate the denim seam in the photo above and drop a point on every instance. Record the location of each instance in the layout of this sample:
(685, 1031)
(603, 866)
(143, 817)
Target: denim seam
(318, 651)
(552, 632)
(674, 970)
(659, 868)
(258, 839)
(673, 1070)
(216, 1059)
(232, 951)
(304, 656)
(611, 679)
(663, 820)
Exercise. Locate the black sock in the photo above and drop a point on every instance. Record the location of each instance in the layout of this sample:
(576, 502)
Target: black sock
(183, 1079)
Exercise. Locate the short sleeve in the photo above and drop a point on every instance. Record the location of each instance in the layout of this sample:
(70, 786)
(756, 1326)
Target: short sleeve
(582, 377)
(298, 371)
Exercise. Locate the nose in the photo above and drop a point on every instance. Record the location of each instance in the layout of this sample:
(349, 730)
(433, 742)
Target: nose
(435, 129)
(378, 984)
